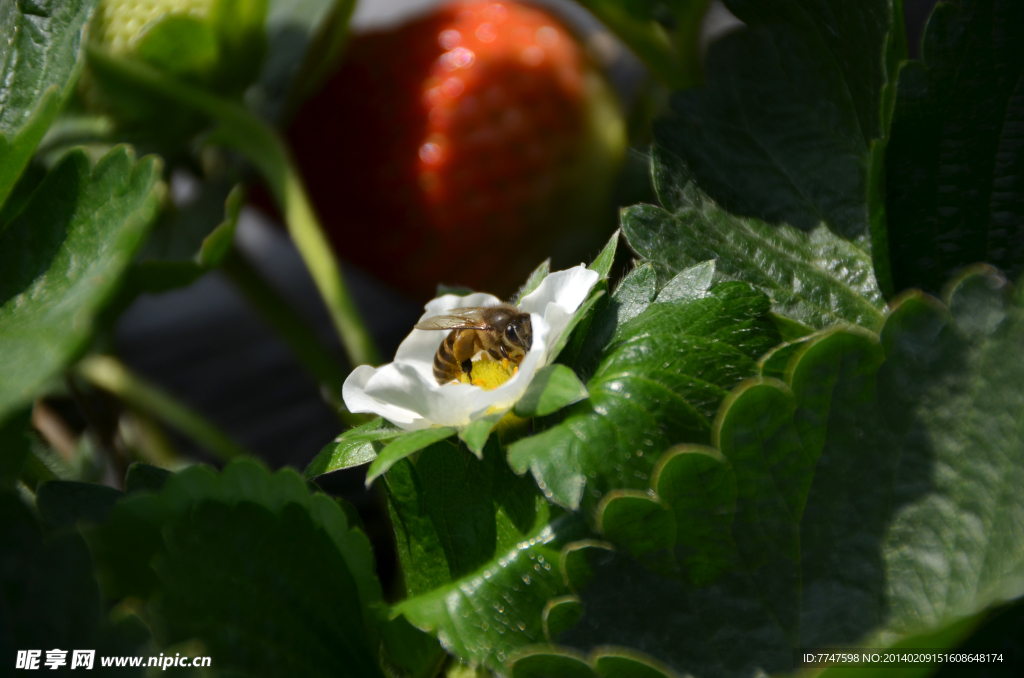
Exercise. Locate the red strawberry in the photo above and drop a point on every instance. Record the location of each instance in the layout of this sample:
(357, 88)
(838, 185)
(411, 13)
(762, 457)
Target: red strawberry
(462, 148)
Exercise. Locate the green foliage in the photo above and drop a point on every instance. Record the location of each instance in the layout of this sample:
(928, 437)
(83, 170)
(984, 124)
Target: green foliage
(40, 59)
(61, 259)
(268, 577)
(532, 282)
(782, 130)
(816, 278)
(661, 381)
(552, 388)
(359, 445)
(607, 662)
(62, 503)
(187, 243)
(821, 518)
(402, 447)
(664, 34)
(48, 592)
(953, 167)
(304, 40)
(478, 548)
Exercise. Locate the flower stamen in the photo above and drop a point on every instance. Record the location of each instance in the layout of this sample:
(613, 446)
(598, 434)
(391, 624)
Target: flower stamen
(489, 374)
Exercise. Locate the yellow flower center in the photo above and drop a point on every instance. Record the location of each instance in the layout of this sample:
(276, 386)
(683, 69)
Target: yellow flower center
(490, 374)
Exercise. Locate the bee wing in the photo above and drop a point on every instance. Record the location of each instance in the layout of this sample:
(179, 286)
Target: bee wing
(457, 319)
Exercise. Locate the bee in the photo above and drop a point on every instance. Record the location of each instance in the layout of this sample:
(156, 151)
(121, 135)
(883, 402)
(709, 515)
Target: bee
(503, 332)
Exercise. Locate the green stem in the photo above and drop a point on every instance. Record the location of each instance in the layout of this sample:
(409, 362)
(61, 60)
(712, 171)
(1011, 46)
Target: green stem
(266, 150)
(318, 362)
(645, 37)
(109, 374)
(689, 21)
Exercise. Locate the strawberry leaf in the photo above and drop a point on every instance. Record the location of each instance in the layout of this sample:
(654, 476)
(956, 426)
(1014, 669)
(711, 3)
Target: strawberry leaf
(831, 510)
(478, 548)
(40, 59)
(532, 282)
(356, 446)
(602, 263)
(552, 388)
(61, 260)
(815, 278)
(270, 578)
(953, 166)
(402, 447)
(660, 382)
(781, 131)
(50, 594)
(634, 293)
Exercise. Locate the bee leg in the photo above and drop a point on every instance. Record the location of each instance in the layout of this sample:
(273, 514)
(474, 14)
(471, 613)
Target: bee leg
(467, 367)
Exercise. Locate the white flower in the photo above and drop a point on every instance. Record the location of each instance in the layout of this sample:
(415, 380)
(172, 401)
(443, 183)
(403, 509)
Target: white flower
(405, 392)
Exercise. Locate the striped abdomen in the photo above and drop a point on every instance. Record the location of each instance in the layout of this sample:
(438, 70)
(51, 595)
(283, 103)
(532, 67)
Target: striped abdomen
(447, 368)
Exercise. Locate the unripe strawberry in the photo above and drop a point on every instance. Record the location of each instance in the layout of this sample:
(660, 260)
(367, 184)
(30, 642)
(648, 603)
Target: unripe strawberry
(217, 45)
(463, 148)
(116, 23)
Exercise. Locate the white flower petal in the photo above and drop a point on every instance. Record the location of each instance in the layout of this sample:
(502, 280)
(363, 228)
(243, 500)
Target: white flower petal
(405, 391)
(557, 298)
(357, 400)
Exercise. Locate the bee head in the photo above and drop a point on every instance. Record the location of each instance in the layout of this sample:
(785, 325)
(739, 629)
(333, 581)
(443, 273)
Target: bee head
(519, 332)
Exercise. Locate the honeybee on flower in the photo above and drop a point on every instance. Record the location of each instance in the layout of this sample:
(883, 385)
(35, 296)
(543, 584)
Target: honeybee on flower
(407, 392)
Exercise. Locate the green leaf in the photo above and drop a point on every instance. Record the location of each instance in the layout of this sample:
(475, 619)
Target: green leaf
(692, 283)
(40, 59)
(355, 446)
(852, 484)
(815, 278)
(476, 434)
(532, 282)
(542, 661)
(452, 512)
(145, 478)
(953, 165)
(602, 263)
(495, 609)
(560, 614)
(415, 653)
(660, 383)
(634, 293)
(402, 447)
(782, 130)
(271, 579)
(61, 260)
(219, 242)
(184, 244)
(686, 534)
(62, 503)
(477, 548)
(552, 388)
(607, 662)
(49, 592)
(580, 322)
